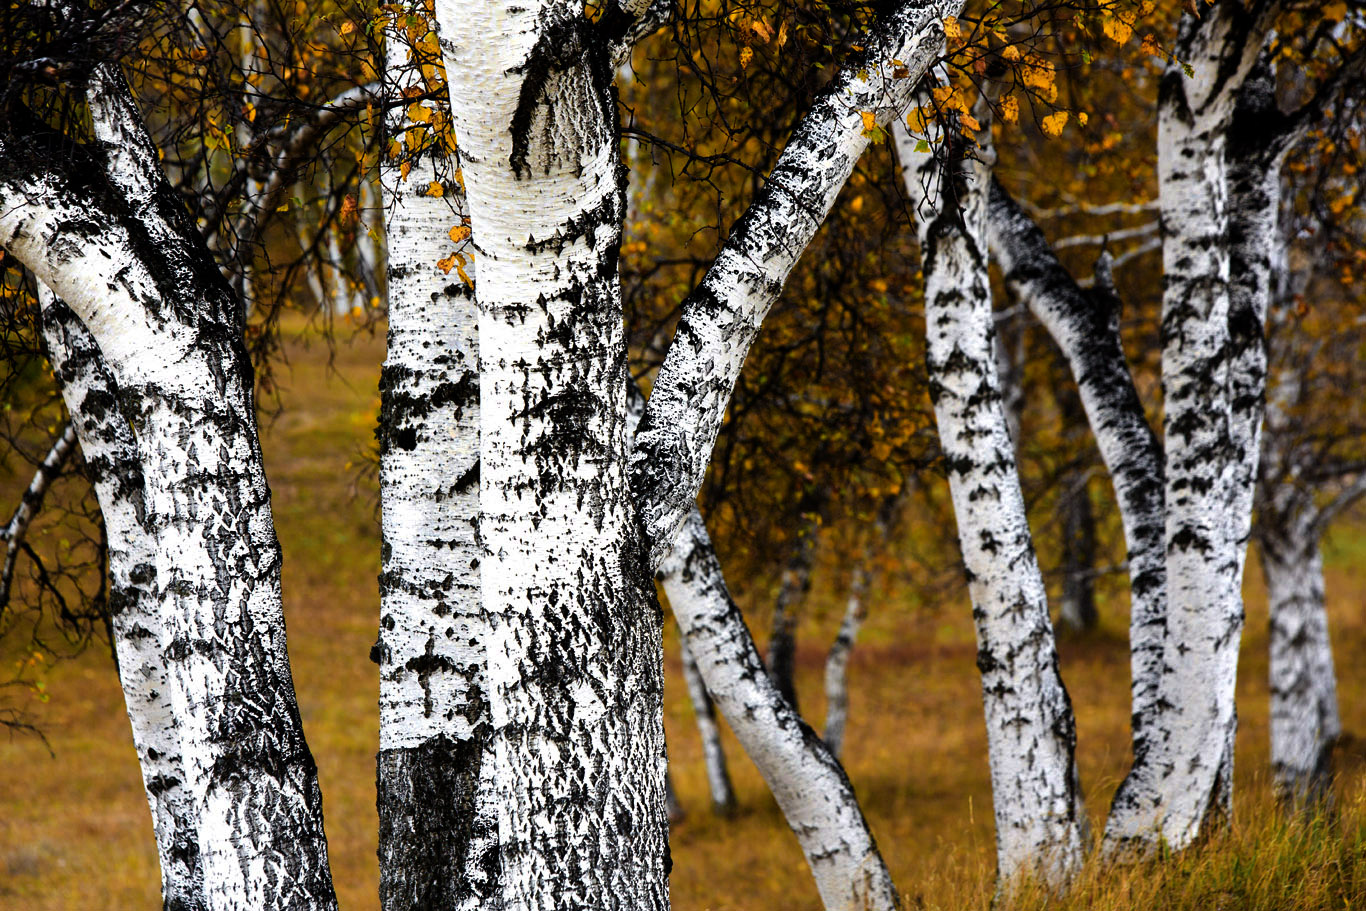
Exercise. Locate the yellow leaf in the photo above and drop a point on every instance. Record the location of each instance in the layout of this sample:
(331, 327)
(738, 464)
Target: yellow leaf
(435, 189)
(1083, 117)
(1053, 123)
(1335, 12)
(1117, 28)
(746, 55)
(970, 123)
(952, 30)
(348, 27)
(464, 276)
(1010, 109)
(419, 113)
(459, 233)
(446, 264)
(1010, 52)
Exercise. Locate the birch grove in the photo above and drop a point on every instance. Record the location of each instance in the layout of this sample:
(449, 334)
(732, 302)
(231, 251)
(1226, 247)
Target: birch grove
(538, 476)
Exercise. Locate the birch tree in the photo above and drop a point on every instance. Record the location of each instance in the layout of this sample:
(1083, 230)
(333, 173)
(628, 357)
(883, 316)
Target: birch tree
(99, 225)
(1031, 736)
(438, 821)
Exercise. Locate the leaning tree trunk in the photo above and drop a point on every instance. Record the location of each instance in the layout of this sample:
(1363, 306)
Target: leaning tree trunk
(1085, 327)
(171, 333)
(1181, 784)
(1031, 735)
(111, 459)
(1304, 705)
(804, 776)
(718, 775)
(574, 650)
(437, 816)
(793, 587)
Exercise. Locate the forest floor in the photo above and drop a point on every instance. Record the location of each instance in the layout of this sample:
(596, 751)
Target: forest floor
(75, 831)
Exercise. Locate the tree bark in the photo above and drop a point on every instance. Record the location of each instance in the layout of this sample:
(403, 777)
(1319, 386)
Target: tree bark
(1031, 736)
(127, 259)
(110, 453)
(804, 776)
(438, 845)
(1085, 327)
(1181, 784)
(574, 648)
(722, 316)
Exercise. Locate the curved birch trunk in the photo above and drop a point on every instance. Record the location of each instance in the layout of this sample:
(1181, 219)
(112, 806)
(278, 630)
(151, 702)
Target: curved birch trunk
(722, 316)
(804, 776)
(111, 458)
(718, 776)
(126, 258)
(1031, 736)
(438, 845)
(1085, 327)
(574, 649)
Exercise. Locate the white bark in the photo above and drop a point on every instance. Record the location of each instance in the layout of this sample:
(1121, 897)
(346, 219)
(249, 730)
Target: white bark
(126, 258)
(721, 317)
(805, 778)
(1182, 782)
(438, 821)
(574, 649)
(1031, 734)
(1085, 326)
(110, 453)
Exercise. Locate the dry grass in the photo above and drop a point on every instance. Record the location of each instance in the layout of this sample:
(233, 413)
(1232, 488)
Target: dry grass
(75, 833)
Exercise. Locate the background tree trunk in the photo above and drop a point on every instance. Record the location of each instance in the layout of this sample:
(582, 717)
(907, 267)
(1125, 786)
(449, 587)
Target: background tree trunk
(718, 776)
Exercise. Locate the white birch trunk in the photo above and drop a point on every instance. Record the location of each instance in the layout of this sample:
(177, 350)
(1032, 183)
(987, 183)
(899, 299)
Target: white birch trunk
(1182, 783)
(110, 453)
(722, 316)
(438, 819)
(805, 778)
(1031, 736)
(574, 648)
(135, 272)
(1085, 326)
(713, 755)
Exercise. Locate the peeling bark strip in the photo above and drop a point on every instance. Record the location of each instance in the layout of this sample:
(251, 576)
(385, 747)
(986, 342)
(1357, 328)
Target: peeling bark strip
(437, 817)
(126, 258)
(1085, 326)
(111, 458)
(574, 648)
(807, 781)
(718, 776)
(1031, 735)
(721, 317)
(1182, 782)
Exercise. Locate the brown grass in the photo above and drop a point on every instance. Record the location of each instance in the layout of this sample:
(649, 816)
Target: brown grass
(75, 832)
